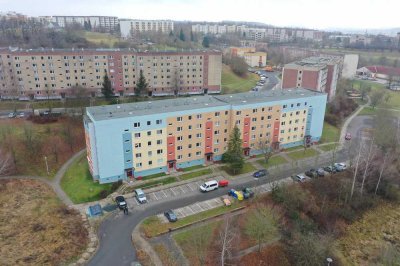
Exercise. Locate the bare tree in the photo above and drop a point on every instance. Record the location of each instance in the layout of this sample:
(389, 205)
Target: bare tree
(385, 158)
(227, 236)
(266, 149)
(360, 148)
(370, 155)
(5, 162)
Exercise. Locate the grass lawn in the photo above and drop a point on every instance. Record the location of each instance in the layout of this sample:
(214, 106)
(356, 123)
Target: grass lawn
(154, 183)
(98, 38)
(232, 83)
(154, 176)
(330, 133)
(328, 147)
(79, 185)
(152, 226)
(195, 174)
(297, 148)
(273, 161)
(296, 155)
(394, 100)
(367, 111)
(247, 167)
(187, 169)
(187, 240)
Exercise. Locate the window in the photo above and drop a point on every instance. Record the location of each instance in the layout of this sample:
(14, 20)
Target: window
(298, 112)
(255, 111)
(127, 140)
(159, 131)
(216, 150)
(179, 119)
(253, 128)
(138, 145)
(190, 146)
(284, 115)
(298, 104)
(199, 116)
(149, 153)
(148, 133)
(159, 121)
(179, 129)
(190, 117)
(238, 112)
(217, 124)
(217, 113)
(198, 144)
(269, 117)
(237, 122)
(179, 157)
(198, 153)
(160, 151)
(136, 125)
(159, 142)
(180, 138)
(179, 148)
(138, 155)
(284, 106)
(216, 132)
(148, 123)
(199, 126)
(149, 143)
(137, 135)
(138, 165)
(127, 151)
(190, 127)
(253, 136)
(189, 155)
(198, 135)
(189, 136)
(150, 162)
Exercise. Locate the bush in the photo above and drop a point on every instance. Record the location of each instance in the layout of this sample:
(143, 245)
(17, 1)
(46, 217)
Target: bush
(116, 185)
(103, 194)
(238, 66)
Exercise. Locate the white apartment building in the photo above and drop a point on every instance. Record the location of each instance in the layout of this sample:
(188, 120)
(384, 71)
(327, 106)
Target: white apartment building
(131, 26)
(96, 22)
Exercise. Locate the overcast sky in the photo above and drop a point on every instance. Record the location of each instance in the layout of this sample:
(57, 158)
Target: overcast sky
(316, 14)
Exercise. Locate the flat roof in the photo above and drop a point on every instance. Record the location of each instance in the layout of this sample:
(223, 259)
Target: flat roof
(107, 112)
(314, 62)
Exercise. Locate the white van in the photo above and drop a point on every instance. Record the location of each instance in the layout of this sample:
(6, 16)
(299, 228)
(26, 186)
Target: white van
(140, 196)
(209, 186)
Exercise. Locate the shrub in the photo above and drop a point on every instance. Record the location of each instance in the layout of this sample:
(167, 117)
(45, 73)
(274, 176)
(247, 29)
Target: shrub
(103, 193)
(116, 185)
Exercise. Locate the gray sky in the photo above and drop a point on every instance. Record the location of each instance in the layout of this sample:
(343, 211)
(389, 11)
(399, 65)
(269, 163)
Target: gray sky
(316, 14)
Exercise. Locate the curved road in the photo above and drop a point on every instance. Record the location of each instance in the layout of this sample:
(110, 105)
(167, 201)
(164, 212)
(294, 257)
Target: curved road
(115, 232)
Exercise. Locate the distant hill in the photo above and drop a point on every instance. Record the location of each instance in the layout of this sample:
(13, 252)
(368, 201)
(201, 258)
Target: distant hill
(390, 32)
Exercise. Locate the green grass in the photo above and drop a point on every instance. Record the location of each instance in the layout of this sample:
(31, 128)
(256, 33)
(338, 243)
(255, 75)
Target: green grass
(232, 83)
(187, 169)
(273, 161)
(394, 100)
(154, 176)
(247, 168)
(328, 147)
(152, 226)
(367, 111)
(330, 133)
(301, 154)
(99, 38)
(78, 184)
(195, 174)
(297, 148)
(155, 183)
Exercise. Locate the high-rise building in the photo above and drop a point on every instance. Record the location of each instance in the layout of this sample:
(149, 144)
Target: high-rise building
(42, 74)
(319, 73)
(91, 22)
(130, 27)
(139, 139)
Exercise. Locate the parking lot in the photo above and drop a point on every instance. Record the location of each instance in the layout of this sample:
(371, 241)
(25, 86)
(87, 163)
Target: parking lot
(172, 192)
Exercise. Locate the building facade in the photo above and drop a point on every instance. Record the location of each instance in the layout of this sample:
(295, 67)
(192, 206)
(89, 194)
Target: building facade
(42, 74)
(166, 135)
(106, 23)
(319, 73)
(250, 56)
(130, 27)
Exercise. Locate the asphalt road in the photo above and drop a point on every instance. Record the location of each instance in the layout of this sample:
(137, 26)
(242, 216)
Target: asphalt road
(272, 79)
(115, 232)
(360, 124)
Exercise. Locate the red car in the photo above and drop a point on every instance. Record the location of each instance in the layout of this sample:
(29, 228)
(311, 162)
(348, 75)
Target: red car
(348, 136)
(223, 183)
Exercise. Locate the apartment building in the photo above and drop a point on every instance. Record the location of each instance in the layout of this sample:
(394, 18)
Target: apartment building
(42, 74)
(96, 22)
(250, 56)
(139, 139)
(130, 27)
(319, 73)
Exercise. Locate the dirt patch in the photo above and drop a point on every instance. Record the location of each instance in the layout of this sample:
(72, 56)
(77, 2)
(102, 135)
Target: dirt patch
(35, 227)
(271, 256)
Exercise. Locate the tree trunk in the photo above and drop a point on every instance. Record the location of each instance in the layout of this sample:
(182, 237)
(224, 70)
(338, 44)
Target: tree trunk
(381, 173)
(366, 166)
(355, 171)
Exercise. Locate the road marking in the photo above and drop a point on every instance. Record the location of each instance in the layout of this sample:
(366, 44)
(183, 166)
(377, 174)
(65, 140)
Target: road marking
(193, 211)
(191, 188)
(181, 188)
(201, 208)
(208, 204)
(173, 191)
(155, 195)
(164, 193)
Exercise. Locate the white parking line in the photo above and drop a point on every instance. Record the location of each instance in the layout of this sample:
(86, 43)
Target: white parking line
(164, 193)
(190, 186)
(198, 205)
(208, 204)
(181, 188)
(173, 191)
(155, 196)
(193, 211)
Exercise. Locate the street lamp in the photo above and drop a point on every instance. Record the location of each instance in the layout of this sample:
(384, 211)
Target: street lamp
(329, 260)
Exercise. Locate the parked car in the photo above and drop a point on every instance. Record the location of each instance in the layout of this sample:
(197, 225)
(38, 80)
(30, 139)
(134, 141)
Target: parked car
(347, 136)
(226, 201)
(299, 178)
(321, 172)
(11, 115)
(140, 196)
(260, 173)
(209, 186)
(21, 115)
(121, 203)
(340, 167)
(247, 193)
(330, 169)
(223, 183)
(171, 216)
(311, 173)
(236, 194)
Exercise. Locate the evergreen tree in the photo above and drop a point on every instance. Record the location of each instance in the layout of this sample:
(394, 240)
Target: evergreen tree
(182, 36)
(107, 90)
(141, 86)
(206, 42)
(171, 34)
(191, 36)
(234, 155)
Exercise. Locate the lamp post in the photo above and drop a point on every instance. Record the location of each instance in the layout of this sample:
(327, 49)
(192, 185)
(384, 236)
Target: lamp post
(329, 260)
(47, 165)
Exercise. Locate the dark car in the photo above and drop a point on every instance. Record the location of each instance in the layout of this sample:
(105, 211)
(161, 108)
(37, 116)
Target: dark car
(121, 203)
(311, 173)
(260, 173)
(247, 193)
(330, 169)
(171, 216)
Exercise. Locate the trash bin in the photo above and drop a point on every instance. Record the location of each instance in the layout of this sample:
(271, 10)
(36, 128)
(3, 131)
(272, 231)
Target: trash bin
(139, 177)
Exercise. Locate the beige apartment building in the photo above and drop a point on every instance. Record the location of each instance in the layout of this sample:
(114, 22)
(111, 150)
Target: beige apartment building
(130, 27)
(42, 74)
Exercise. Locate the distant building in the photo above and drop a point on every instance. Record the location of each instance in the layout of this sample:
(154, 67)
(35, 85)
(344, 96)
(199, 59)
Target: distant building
(139, 139)
(350, 64)
(360, 40)
(380, 72)
(53, 73)
(106, 23)
(249, 54)
(258, 45)
(130, 27)
(316, 73)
